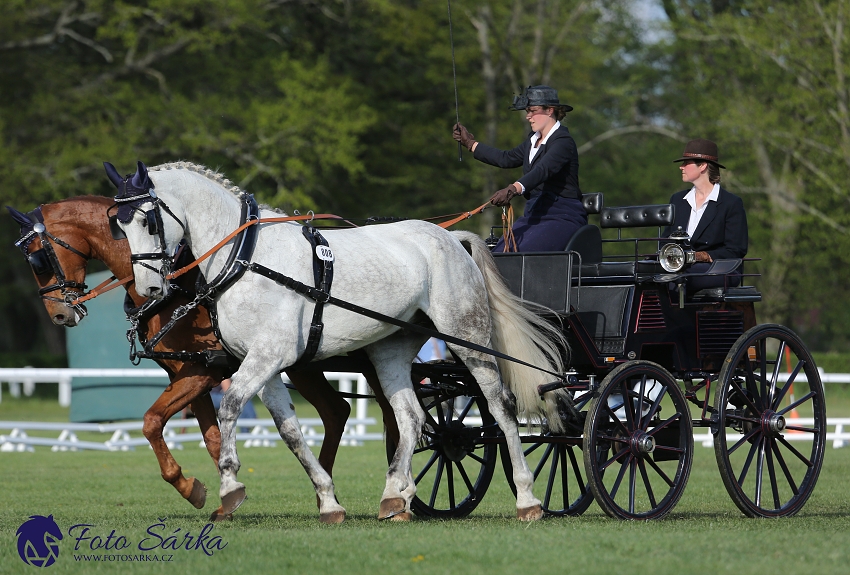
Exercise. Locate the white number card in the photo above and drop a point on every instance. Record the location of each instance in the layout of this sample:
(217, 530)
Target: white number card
(325, 253)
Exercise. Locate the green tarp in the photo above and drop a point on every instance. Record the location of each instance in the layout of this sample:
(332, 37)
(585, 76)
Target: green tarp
(100, 341)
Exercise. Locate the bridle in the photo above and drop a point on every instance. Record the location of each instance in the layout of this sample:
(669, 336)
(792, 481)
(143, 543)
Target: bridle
(44, 260)
(127, 206)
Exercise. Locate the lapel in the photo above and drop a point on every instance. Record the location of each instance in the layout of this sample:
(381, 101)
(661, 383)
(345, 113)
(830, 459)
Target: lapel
(710, 212)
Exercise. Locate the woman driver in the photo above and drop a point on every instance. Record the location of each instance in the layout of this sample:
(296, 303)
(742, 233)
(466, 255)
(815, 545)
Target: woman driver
(549, 161)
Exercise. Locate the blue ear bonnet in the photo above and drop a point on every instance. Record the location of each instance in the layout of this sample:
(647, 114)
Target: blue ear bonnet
(26, 221)
(133, 190)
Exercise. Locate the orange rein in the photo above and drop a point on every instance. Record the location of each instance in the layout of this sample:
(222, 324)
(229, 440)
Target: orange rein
(103, 287)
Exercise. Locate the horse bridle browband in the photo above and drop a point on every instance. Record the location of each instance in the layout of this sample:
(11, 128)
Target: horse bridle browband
(152, 221)
(44, 260)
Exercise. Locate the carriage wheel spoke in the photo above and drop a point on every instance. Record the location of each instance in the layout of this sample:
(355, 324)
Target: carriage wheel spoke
(543, 459)
(647, 484)
(632, 482)
(742, 418)
(763, 369)
(784, 467)
(608, 463)
(654, 409)
(465, 411)
(549, 484)
(623, 466)
(665, 423)
(614, 417)
(802, 429)
(577, 471)
(639, 410)
(450, 477)
(565, 475)
(772, 474)
(426, 468)
(437, 479)
(660, 472)
(775, 377)
(532, 449)
(628, 406)
(797, 403)
(476, 457)
(791, 377)
(747, 463)
(744, 439)
(614, 438)
(463, 474)
(760, 471)
(793, 450)
(740, 391)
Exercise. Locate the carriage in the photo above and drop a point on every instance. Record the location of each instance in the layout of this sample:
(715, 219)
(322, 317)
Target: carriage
(649, 363)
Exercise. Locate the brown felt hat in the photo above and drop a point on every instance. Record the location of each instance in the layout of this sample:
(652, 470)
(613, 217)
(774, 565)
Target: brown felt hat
(701, 150)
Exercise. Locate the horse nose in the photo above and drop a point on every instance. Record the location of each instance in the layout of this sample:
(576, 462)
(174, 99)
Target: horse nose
(155, 292)
(68, 320)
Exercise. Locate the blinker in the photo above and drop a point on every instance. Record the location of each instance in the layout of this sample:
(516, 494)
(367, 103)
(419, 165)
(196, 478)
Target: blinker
(117, 232)
(151, 222)
(39, 261)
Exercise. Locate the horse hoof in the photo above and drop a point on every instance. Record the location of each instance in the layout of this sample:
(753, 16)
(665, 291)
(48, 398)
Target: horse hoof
(230, 502)
(404, 517)
(219, 516)
(198, 498)
(332, 518)
(391, 507)
(530, 513)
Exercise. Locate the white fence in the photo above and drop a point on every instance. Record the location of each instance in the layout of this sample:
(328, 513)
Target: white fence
(262, 431)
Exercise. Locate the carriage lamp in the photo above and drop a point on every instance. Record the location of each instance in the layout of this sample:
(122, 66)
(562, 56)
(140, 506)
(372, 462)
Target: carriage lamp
(491, 241)
(674, 257)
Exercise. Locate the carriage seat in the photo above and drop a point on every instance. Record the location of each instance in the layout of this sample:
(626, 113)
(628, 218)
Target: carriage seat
(587, 241)
(637, 216)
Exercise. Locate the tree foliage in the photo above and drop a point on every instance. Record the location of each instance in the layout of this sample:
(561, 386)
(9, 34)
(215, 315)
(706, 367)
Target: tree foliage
(346, 106)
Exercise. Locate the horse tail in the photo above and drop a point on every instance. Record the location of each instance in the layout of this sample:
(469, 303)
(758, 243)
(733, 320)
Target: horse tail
(519, 330)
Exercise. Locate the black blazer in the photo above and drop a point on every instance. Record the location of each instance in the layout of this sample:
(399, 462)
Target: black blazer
(722, 230)
(554, 168)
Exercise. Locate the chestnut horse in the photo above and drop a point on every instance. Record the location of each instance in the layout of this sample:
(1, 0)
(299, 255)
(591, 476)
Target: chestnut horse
(81, 223)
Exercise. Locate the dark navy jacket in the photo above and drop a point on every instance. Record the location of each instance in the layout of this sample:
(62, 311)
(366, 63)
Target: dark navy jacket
(722, 230)
(554, 168)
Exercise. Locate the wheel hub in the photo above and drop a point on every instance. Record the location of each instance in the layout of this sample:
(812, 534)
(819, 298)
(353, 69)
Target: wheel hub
(641, 443)
(457, 441)
(772, 422)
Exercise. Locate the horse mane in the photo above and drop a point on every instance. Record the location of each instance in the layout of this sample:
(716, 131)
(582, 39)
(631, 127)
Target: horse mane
(210, 175)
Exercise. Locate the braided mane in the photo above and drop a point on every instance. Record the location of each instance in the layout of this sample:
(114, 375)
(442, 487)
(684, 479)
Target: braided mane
(210, 175)
(202, 170)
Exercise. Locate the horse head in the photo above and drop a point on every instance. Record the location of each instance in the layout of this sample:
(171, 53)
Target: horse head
(57, 256)
(152, 229)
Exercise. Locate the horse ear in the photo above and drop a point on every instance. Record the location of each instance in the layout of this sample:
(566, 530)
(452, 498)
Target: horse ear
(140, 179)
(22, 219)
(113, 174)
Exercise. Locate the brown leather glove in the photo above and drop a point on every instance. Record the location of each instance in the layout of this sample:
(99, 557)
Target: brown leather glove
(503, 196)
(463, 136)
(702, 257)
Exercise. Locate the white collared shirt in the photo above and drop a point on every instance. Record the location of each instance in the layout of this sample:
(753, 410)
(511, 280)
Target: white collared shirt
(696, 214)
(536, 136)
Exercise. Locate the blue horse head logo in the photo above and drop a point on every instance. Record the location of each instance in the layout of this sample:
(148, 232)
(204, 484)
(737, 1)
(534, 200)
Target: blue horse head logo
(38, 541)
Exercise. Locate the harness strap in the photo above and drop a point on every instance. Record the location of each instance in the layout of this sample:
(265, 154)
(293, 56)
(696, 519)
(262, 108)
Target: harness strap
(222, 243)
(325, 297)
(323, 277)
(464, 216)
(103, 288)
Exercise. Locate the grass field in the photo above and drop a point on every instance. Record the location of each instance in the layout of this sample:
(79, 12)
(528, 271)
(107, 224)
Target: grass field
(277, 531)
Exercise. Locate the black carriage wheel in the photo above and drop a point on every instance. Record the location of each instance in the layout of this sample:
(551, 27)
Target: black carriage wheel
(557, 460)
(638, 451)
(757, 400)
(452, 467)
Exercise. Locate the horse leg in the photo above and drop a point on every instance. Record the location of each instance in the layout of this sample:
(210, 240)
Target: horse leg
(175, 397)
(333, 409)
(276, 398)
(392, 358)
(502, 405)
(205, 413)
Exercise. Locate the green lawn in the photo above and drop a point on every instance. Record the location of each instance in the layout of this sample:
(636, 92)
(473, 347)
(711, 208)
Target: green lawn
(276, 530)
